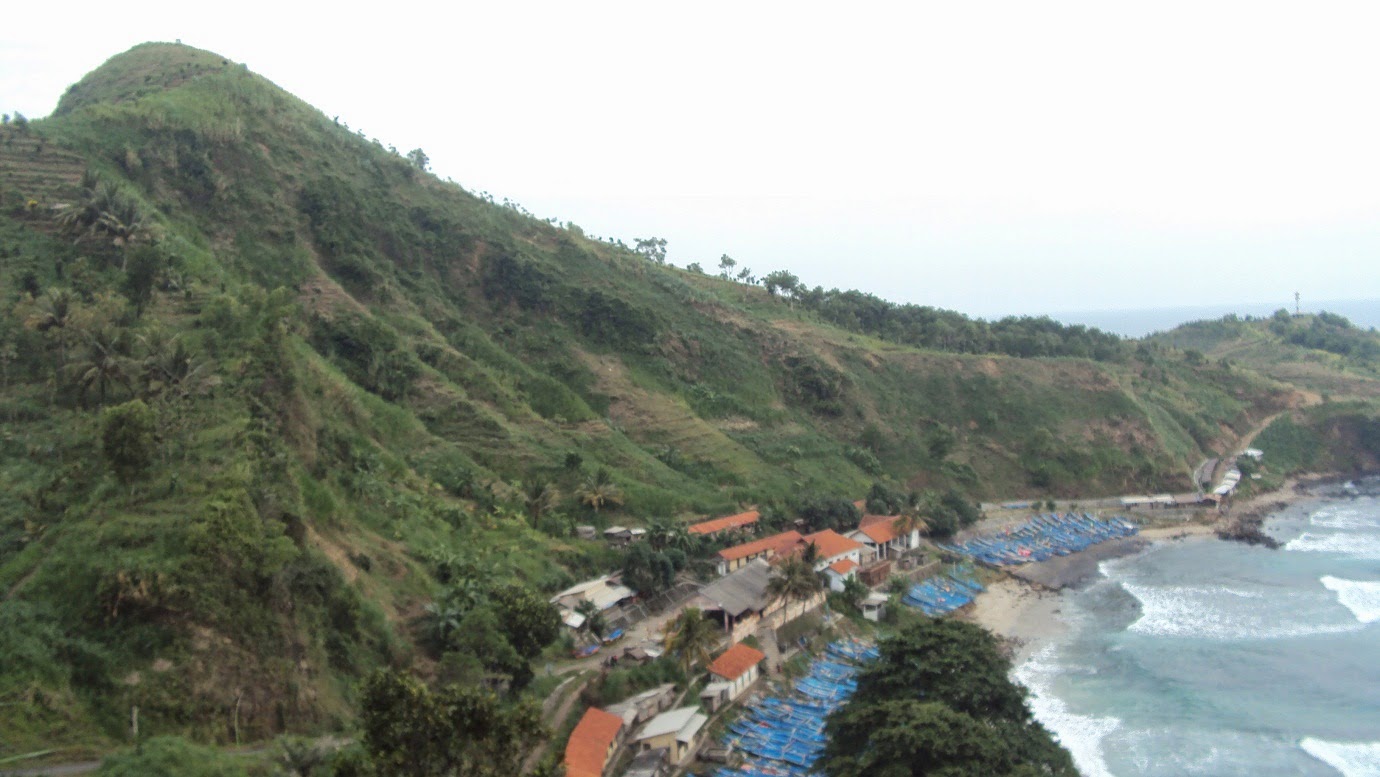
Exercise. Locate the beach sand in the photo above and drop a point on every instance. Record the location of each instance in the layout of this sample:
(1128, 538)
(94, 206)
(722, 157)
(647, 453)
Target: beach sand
(1023, 606)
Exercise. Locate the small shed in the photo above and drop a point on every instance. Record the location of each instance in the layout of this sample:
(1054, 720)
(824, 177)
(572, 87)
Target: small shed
(677, 731)
(874, 606)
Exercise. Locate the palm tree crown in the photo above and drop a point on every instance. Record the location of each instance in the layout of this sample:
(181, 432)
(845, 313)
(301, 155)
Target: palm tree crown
(690, 637)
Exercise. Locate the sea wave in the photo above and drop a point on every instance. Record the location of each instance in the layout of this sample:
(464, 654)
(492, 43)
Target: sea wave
(1345, 517)
(1352, 759)
(1361, 597)
(1359, 546)
(1207, 613)
(1082, 735)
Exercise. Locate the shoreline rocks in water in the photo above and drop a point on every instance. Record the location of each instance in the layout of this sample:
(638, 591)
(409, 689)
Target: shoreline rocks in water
(1063, 571)
(1248, 527)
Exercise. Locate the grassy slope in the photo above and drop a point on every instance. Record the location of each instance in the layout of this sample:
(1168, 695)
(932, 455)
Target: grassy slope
(432, 352)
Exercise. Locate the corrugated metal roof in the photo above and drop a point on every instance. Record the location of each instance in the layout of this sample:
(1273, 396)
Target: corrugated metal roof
(671, 721)
(741, 590)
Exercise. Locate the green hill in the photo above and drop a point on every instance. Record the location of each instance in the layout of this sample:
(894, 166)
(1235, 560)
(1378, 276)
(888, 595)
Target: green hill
(268, 385)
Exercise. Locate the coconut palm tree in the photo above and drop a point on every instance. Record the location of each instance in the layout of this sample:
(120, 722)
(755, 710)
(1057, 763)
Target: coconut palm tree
(104, 366)
(599, 492)
(54, 317)
(910, 519)
(539, 498)
(795, 581)
(690, 637)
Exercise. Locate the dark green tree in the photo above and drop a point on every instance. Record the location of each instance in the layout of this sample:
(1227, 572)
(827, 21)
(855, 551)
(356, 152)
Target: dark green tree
(780, 281)
(127, 439)
(939, 702)
(412, 730)
(826, 512)
(530, 623)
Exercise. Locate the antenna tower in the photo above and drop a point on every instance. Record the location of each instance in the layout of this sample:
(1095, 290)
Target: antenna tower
(1297, 311)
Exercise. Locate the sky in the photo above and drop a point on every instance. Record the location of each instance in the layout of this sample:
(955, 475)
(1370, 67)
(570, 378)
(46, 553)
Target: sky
(989, 157)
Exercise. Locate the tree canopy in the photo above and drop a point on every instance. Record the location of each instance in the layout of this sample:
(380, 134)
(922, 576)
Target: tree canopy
(938, 702)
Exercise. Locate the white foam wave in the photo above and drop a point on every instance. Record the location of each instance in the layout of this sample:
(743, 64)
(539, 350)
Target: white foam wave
(1352, 759)
(1361, 597)
(1082, 735)
(1202, 612)
(1345, 517)
(1359, 546)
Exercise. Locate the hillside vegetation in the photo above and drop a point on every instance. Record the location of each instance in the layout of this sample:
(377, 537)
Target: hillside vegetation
(273, 395)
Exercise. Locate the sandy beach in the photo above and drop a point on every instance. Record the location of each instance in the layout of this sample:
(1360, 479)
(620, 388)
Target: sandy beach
(1024, 605)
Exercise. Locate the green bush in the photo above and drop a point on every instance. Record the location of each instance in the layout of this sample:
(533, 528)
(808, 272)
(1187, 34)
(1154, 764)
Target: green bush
(171, 757)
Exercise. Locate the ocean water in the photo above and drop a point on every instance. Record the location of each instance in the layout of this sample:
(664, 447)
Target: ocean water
(1202, 657)
(1364, 313)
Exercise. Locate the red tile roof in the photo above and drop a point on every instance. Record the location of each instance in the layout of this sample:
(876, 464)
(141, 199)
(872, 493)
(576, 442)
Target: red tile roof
(776, 543)
(830, 543)
(881, 532)
(868, 520)
(587, 751)
(717, 525)
(844, 566)
(736, 661)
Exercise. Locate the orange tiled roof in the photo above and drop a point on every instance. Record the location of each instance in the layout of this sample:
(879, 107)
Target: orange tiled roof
(776, 543)
(830, 543)
(717, 525)
(843, 566)
(868, 520)
(881, 532)
(735, 661)
(587, 751)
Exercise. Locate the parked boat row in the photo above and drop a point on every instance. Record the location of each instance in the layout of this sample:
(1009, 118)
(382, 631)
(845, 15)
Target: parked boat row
(943, 594)
(783, 736)
(1044, 537)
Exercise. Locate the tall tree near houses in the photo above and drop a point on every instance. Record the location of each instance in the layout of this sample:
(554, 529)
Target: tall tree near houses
(795, 581)
(690, 637)
(599, 492)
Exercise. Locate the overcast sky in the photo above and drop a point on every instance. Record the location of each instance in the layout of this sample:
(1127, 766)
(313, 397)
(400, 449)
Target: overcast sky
(992, 158)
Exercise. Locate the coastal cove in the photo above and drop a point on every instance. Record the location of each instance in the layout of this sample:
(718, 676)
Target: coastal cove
(1190, 655)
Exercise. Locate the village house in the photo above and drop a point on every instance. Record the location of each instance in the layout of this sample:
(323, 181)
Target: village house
(767, 548)
(839, 572)
(618, 536)
(592, 743)
(882, 538)
(739, 600)
(832, 547)
(735, 670)
(604, 592)
(727, 523)
(644, 706)
(675, 730)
